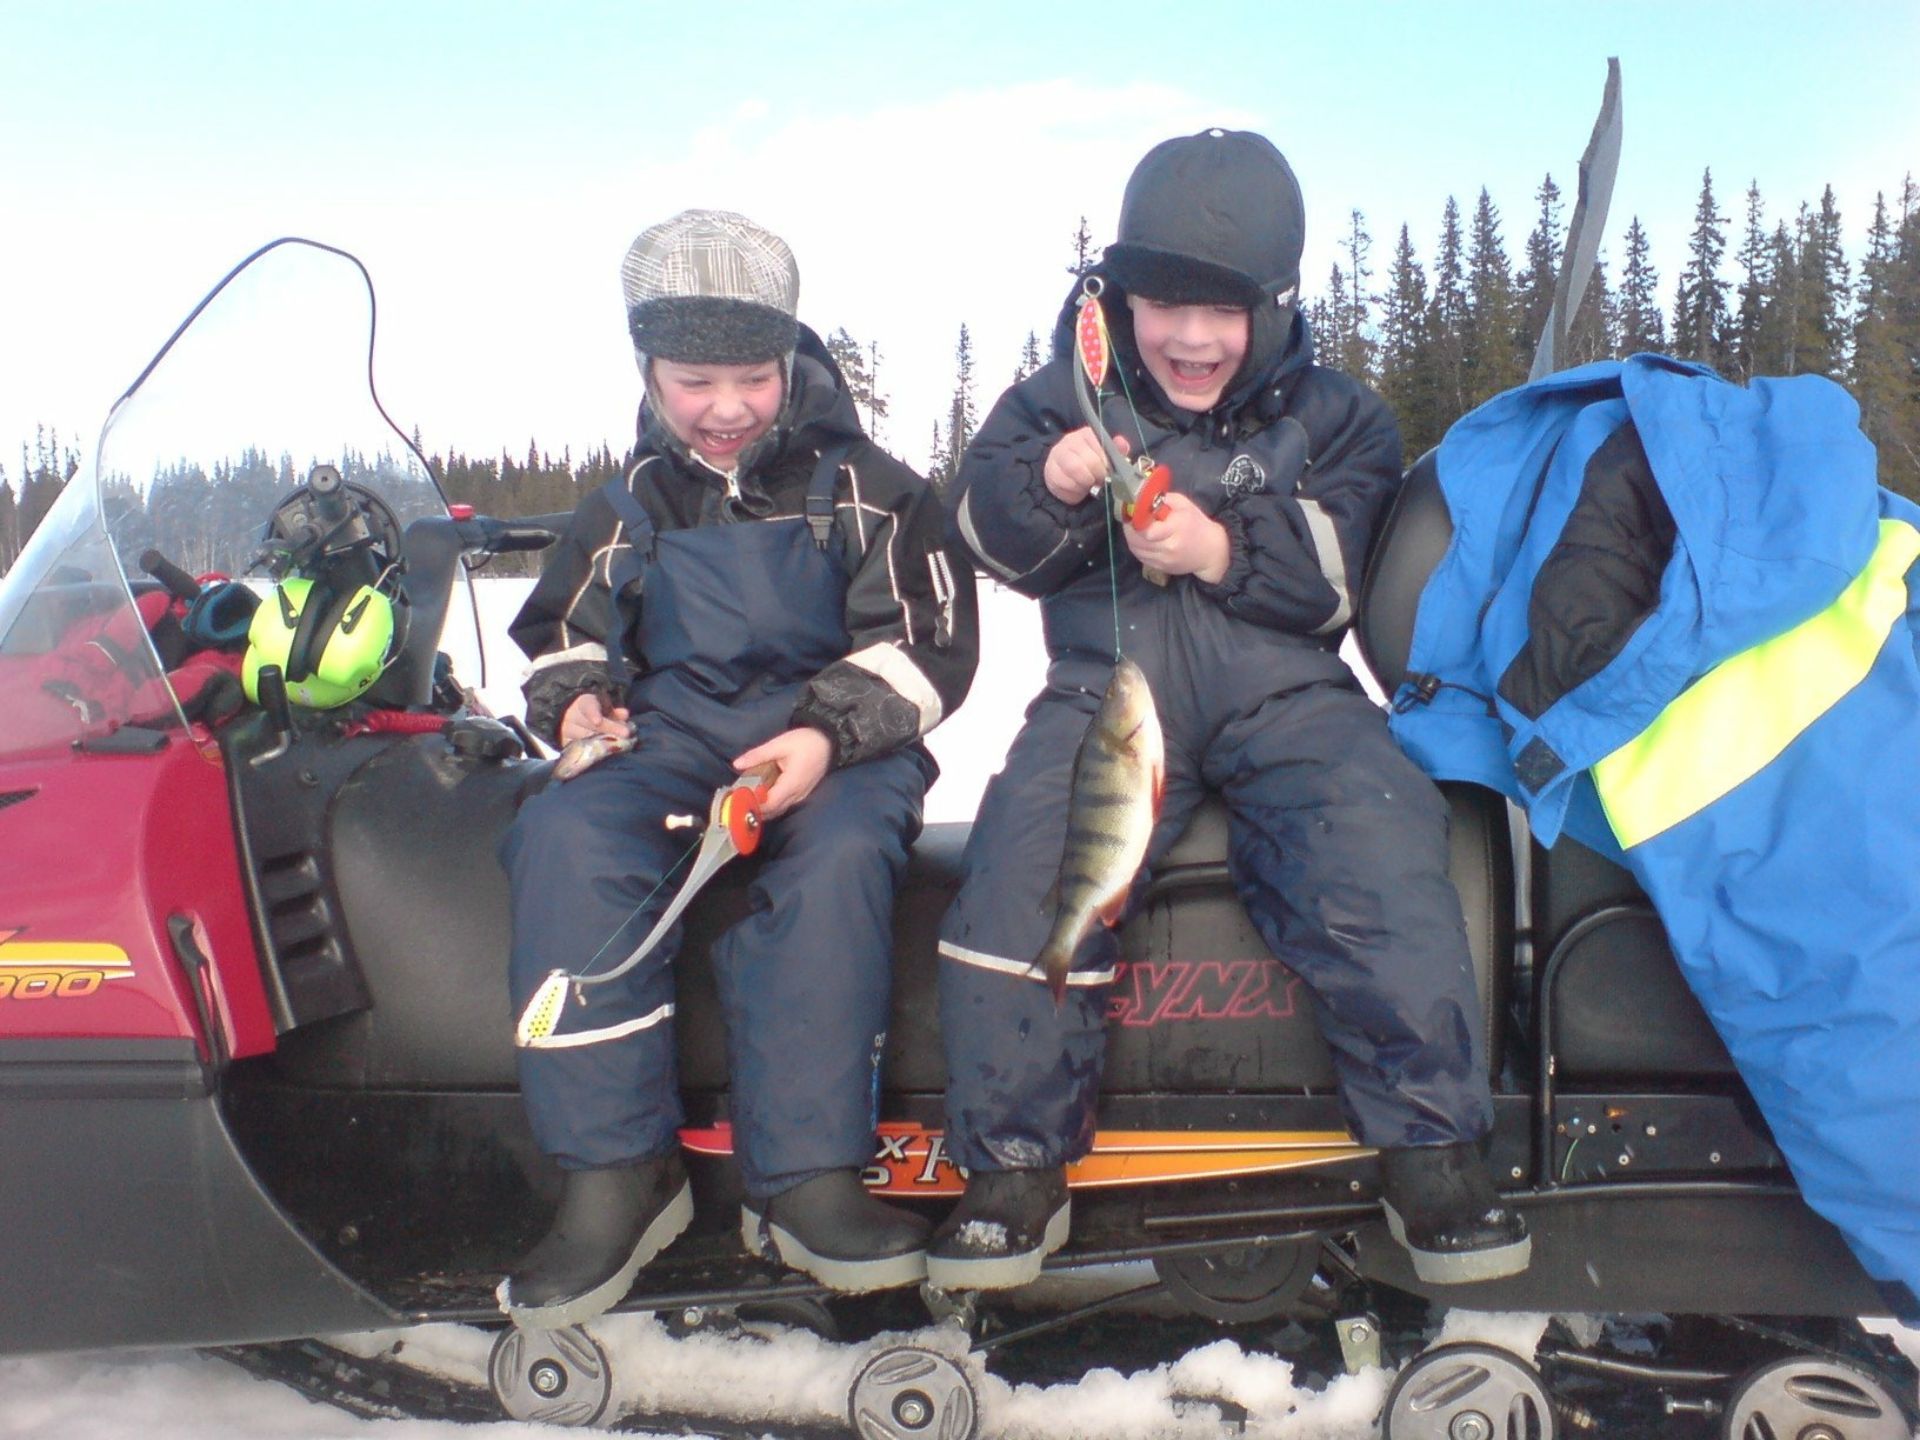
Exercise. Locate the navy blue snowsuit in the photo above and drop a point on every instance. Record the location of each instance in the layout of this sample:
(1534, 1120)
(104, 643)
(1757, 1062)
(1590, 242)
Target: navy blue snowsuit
(815, 590)
(1337, 842)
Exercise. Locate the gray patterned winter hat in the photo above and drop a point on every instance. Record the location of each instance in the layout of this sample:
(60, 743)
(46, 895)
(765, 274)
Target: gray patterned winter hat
(710, 287)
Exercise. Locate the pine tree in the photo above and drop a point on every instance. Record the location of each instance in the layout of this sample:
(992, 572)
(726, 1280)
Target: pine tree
(1886, 343)
(857, 370)
(44, 479)
(1030, 360)
(1875, 374)
(1756, 281)
(1353, 351)
(961, 419)
(1332, 319)
(1447, 321)
(9, 524)
(1640, 326)
(940, 462)
(1320, 315)
(1700, 321)
(1591, 335)
(1083, 256)
(1779, 339)
(1535, 282)
(1828, 284)
(1492, 359)
(1407, 378)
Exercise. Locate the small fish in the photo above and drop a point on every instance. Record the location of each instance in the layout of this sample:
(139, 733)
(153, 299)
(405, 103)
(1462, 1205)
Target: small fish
(1118, 774)
(580, 756)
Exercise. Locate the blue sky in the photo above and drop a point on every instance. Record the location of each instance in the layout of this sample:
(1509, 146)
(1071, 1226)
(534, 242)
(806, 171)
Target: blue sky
(928, 163)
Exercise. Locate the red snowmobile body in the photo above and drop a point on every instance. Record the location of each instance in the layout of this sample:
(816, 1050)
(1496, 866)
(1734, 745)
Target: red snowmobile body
(257, 1077)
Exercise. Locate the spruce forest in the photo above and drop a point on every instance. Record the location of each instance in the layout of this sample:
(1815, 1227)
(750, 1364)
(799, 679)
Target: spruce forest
(1762, 292)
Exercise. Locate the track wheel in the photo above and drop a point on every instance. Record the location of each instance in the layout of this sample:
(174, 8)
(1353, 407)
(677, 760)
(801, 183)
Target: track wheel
(906, 1393)
(553, 1377)
(1242, 1284)
(1802, 1398)
(1468, 1392)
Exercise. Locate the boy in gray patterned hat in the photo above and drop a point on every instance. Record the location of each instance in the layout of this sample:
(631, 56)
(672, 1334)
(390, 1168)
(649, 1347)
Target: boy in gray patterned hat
(763, 583)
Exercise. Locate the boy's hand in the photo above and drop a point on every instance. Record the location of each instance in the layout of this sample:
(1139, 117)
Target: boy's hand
(586, 716)
(803, 755)
(1076, 464)
(1183, 540)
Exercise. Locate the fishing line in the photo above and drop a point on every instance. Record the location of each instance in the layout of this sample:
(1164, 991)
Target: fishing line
(1126, 393)
(633, 914)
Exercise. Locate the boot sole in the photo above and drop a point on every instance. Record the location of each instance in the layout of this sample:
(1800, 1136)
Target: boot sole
(1002, 1272)
(1439, 1267)
(667, 1227)
(849, 1277)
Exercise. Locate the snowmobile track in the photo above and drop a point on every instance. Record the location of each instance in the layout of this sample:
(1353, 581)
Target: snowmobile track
(388, 1389)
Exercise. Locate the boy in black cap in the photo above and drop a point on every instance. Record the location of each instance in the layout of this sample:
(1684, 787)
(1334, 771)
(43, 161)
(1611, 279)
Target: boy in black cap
(1337, 843)
(762, 584)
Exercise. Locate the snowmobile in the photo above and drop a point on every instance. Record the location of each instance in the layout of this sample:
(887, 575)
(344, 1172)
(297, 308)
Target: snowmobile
(257, 1067)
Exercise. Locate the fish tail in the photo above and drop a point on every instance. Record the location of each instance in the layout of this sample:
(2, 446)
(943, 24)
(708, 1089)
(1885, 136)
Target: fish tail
(1054, 961)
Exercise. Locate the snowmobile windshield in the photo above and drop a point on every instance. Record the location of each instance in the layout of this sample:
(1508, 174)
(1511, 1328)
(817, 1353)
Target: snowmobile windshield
(268, 378)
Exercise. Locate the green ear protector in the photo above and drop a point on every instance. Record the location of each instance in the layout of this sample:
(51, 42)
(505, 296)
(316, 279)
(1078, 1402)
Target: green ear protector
(329, 646)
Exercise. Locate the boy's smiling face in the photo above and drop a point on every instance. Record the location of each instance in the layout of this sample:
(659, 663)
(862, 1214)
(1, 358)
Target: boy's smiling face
(1192, 350)
(719, 410)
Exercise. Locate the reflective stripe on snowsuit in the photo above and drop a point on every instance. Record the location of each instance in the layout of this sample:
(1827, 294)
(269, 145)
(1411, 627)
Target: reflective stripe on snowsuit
(736, 617)
(1337, 846)
(1766, 808)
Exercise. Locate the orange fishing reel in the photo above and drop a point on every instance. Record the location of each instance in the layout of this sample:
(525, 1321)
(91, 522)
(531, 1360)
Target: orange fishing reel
(737, 810)
(1138, 484)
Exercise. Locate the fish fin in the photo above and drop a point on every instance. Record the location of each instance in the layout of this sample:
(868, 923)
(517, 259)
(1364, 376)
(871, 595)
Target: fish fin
(1159, 785)
(1054, 962)
(1111, 911)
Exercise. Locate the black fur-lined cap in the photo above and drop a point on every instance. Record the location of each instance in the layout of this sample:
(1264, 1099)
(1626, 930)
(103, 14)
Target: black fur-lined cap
(1211, 219)
(710, 287)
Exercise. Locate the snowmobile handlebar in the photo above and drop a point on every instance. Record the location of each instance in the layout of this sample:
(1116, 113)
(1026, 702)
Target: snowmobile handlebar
(178, 582)
(484, 535)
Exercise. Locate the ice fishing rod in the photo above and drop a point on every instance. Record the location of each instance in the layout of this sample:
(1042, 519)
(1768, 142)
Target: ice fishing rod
(734, 825)
(1137, 486)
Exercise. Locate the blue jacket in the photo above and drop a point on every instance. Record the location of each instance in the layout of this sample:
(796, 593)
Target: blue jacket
(1725, 626)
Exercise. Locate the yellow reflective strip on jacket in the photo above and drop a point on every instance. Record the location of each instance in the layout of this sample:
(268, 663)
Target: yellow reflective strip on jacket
(1730, 723)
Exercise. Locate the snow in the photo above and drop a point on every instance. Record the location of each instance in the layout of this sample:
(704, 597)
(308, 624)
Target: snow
(777, 1375)
(983, 1235)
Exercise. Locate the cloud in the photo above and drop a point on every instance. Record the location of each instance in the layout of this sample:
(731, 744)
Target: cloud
(908, 220)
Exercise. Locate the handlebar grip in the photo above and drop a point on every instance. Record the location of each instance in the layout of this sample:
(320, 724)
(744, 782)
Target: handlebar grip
(178, 582)
(510, 537)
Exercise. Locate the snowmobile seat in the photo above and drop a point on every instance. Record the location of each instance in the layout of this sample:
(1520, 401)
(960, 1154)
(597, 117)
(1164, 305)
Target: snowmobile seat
(394, 885)
(1618, 1006)
(1621, 1011)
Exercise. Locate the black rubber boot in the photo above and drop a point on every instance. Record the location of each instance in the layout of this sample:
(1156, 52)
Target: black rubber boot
(1441, 1205)
(610, 1223)
(1004, 1226)
(832, 1229)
